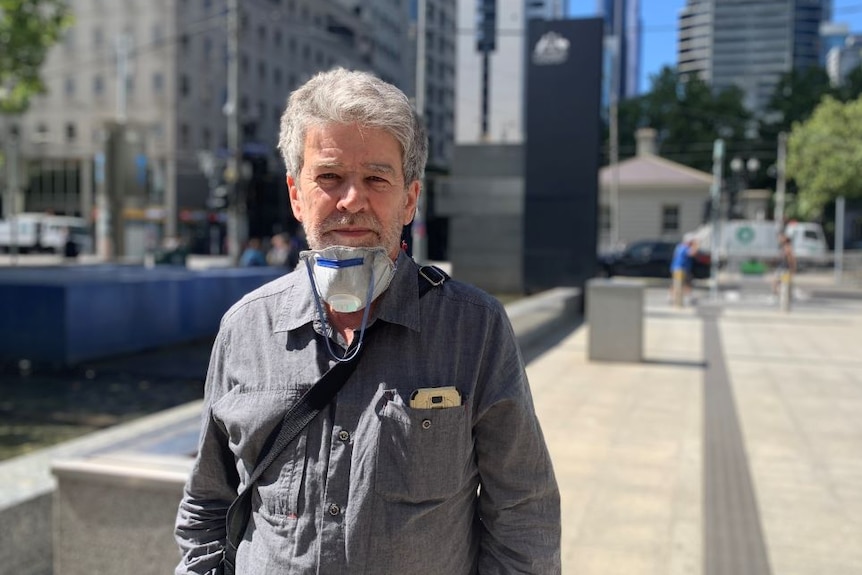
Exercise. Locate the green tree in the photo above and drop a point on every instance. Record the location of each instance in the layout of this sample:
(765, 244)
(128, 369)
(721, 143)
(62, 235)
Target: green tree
(28, 29)
(824, 155)
(687, 115)
(795, 96)
(851, 88)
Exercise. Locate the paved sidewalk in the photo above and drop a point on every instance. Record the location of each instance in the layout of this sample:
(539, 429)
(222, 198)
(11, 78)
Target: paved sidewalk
(630, 442)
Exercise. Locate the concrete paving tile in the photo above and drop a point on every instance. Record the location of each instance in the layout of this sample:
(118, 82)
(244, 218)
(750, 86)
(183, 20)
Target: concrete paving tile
(686, 552)
(582, 560)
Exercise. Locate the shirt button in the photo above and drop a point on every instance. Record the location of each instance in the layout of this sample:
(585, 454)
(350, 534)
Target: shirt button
(344, 435)
(334, 509)
(426, 424)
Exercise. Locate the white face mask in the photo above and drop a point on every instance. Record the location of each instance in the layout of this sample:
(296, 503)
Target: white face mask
(349, 279)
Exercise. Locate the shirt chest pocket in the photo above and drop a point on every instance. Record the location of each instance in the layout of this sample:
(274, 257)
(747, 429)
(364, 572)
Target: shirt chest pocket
(422, 454)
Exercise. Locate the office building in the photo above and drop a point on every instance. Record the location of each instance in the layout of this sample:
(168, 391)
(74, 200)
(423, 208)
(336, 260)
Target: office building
(628, 46)
(172, 96)
(832, 35)
(438, 76)
(749, 44)
(490, 70)
(842, 60)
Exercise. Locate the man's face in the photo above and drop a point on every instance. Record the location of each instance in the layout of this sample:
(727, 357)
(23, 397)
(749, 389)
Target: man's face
(351, 189)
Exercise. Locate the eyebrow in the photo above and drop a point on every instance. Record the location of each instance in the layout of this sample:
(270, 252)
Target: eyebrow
(377, 168)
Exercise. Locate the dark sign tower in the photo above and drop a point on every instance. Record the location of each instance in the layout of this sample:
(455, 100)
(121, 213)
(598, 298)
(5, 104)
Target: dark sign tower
(563, 139)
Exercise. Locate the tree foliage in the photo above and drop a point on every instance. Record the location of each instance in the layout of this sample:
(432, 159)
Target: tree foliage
(687, 115)
(824, 155)
(28, 29)
(852, 86)
(796, 95)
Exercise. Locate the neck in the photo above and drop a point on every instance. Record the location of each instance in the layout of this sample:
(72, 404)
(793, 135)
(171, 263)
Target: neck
(347, 324)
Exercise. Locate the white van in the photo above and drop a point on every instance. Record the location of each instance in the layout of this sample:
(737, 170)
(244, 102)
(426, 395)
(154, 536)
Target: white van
(808, 241)
(758, 240)
(41, 233)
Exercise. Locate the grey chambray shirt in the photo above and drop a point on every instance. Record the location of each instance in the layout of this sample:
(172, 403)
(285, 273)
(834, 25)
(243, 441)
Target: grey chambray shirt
(372, 486)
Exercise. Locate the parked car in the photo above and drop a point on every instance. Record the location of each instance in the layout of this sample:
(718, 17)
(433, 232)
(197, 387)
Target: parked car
(649, 258)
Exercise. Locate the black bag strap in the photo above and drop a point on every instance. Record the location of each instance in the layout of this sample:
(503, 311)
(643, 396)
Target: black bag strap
(297, 417)
(430, 277)
(294, 421)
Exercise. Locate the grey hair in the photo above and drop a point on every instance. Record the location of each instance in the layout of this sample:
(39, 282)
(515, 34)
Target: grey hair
(343, 97)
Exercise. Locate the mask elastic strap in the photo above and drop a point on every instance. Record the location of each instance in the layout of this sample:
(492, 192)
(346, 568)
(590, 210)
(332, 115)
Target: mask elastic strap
(350, 353)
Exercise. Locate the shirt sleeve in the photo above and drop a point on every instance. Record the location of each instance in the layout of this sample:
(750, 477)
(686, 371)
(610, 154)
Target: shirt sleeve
(519, 501)
(211, 487)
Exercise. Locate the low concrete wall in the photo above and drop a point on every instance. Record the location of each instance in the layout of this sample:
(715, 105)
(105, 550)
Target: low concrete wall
(65, 315)
(27, 484)
(26, 543)
(116, 491)
(114, 513)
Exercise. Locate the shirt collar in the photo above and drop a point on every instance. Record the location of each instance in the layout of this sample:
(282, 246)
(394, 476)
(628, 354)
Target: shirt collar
(399, 304)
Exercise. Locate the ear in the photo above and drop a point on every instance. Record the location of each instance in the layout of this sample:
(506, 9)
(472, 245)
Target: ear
(413, 191)
(293, 195)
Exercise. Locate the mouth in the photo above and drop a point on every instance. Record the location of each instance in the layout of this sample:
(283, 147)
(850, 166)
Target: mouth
(352, 234)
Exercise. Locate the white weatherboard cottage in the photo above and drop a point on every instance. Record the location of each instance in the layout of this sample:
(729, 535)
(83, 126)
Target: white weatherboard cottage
(658, 199)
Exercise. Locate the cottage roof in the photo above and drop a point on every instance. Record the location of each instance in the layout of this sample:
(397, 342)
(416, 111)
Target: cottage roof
(648, 170)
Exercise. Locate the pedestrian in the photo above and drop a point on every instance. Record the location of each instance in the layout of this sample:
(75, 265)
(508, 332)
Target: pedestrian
(785, 269)
(279, 254)
(70, 246)
(298, 244)
(252, 255)
(430, 459)
(680, 271)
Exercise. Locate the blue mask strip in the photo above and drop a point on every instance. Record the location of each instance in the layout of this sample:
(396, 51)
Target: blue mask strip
(338, 264)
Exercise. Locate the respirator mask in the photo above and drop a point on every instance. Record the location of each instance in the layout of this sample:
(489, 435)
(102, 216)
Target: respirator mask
(348, 279)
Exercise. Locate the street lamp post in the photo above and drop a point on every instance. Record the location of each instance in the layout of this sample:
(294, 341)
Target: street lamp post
(742, 171)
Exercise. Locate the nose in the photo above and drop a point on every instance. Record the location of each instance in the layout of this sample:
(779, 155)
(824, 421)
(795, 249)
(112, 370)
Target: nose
(353, 198)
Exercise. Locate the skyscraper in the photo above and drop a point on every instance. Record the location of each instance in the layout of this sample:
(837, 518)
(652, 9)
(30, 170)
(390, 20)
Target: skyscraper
(749, 43)
(629, 43)
(490, 71)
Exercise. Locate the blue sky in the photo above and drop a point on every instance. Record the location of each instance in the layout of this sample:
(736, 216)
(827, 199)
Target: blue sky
(659, 29)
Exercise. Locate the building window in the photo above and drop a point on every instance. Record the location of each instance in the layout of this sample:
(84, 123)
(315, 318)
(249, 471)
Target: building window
(71, 132)
(670, 219)
(184, 135)
(158, 83)
(70, 87)
(98, 85)
(185, 86)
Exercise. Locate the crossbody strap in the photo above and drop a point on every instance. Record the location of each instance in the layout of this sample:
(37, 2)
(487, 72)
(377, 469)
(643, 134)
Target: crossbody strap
(294, 421)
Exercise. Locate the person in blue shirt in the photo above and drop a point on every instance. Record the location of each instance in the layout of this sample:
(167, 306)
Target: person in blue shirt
(253, 254)
(680, 271)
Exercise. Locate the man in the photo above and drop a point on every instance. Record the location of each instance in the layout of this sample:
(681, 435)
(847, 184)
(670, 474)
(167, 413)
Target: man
(371, 485)
(680, 270)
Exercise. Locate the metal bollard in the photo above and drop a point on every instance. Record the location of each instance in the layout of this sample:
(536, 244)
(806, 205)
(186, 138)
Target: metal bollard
(785, 293)
(677, 288)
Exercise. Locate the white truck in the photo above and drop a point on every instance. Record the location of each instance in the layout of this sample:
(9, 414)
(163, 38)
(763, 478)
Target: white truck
(31, 232)
(747, 240)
